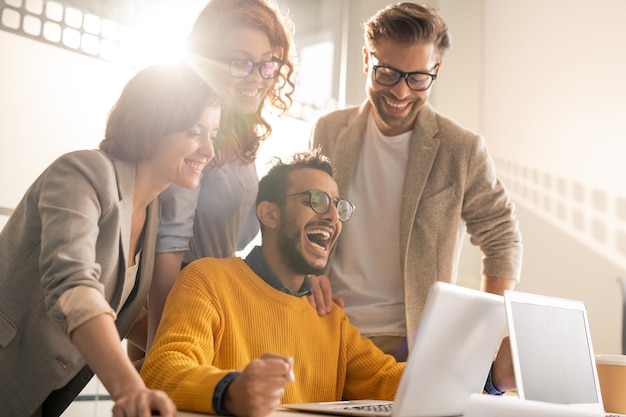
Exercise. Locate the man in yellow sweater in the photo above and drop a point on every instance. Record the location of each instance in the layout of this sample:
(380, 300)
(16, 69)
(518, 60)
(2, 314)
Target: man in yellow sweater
(239, 336)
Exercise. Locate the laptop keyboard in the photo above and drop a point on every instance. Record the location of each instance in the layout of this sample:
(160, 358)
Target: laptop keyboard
(384, 408)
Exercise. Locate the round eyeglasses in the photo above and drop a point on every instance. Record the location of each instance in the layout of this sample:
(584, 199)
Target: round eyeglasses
(320, 202)
(241, 68)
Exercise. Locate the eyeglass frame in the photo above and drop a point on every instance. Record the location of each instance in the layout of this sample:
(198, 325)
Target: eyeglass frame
(257, 65)
(405, 75)
(330, 200)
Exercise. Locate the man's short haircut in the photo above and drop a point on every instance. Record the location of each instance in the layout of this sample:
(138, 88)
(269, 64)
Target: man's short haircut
(408, 23)
(273, 186)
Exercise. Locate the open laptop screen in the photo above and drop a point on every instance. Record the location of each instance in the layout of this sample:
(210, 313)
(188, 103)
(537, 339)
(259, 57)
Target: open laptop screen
(554, 351)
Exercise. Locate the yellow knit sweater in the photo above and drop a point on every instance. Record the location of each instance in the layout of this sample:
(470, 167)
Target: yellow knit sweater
(220, 316)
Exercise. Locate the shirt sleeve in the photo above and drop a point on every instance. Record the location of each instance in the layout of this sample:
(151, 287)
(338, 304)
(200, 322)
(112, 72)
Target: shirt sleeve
(178, 209)
(180, 361)
(74, 192)
(220, 391)
(490, 217)
(80, 304)
(489, 387)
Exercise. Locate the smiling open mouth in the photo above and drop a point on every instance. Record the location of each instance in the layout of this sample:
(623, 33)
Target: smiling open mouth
(319, 237)
(249, 92)
(195, 165)
(396, 106)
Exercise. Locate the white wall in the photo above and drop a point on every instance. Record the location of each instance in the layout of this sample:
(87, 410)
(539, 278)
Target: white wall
(549, 102)
(554, 115)
(52, 101)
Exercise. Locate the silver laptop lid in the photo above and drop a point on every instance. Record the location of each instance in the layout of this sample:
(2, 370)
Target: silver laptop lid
(552, 350)
(457, 338)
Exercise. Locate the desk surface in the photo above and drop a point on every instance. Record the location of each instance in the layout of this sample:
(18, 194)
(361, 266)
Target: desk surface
(278, 413)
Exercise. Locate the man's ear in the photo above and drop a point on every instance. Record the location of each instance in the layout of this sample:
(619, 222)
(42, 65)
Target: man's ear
(268, 214)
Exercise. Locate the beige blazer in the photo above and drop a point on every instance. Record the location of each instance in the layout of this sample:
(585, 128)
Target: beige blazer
(71, 228)
(450, 187)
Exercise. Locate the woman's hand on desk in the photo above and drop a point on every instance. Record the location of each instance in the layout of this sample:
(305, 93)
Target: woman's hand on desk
(138, 403)
(257, 391)
(502, 374)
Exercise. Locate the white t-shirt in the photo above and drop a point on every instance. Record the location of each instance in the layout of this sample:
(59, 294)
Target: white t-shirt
(366, 267)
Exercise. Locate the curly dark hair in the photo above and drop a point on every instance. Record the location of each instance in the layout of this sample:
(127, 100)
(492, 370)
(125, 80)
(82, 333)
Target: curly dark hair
(274, 184)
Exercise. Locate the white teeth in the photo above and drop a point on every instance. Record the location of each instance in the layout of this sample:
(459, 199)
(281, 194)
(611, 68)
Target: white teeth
(196, 166)
(249, 93)
(324, 233)
(396, 106)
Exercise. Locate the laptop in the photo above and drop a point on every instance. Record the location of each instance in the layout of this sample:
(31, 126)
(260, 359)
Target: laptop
(552, 351)
(456, 341)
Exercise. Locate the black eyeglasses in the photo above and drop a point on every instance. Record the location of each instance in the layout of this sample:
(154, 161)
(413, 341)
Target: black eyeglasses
(416, 80)
(320, 201)
(241, 68)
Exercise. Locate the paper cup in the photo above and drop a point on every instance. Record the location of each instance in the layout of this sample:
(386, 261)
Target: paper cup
(612, 377)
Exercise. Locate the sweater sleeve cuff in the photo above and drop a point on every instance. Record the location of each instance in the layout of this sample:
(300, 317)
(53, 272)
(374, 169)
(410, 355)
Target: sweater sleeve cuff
(218, 395)
(489, 387)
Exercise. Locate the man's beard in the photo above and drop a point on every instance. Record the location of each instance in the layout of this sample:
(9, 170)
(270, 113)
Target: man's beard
(377, 98)
(288, 244)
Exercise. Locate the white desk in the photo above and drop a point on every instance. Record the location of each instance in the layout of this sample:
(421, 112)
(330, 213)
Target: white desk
(277, 413)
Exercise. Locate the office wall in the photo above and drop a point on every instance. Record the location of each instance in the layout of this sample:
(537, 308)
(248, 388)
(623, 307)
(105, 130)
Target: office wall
(52, 101)
(549, 104)
(554, 115)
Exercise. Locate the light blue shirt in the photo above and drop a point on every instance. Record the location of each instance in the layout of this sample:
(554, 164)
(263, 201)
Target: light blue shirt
(215, 219)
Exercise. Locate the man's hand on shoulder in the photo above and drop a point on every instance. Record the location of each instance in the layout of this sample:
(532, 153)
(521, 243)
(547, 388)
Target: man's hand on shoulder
(322, 298)
(257, 391)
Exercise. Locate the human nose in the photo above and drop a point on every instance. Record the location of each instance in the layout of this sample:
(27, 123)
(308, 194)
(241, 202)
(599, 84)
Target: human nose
(332, 214)
(401, 89)
(207, 149)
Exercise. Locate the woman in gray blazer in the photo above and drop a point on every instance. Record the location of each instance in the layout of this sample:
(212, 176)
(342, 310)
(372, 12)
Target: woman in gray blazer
(76, 256)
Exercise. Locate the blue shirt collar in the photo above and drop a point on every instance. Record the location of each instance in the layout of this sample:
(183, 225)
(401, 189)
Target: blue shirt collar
(257, 263)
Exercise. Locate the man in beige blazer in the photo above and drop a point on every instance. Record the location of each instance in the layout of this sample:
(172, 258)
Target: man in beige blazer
(419, 182)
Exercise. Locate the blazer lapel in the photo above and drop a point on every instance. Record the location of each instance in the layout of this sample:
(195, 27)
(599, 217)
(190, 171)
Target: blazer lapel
(348, 147)
(137, 299)
(125, 172)
(423, 148)
(149, 249)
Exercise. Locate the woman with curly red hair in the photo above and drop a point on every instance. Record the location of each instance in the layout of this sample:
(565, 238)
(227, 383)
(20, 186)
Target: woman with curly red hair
(243, 48)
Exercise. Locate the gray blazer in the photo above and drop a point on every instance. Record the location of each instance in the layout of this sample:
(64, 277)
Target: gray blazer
(71, 228)
(450, 186)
